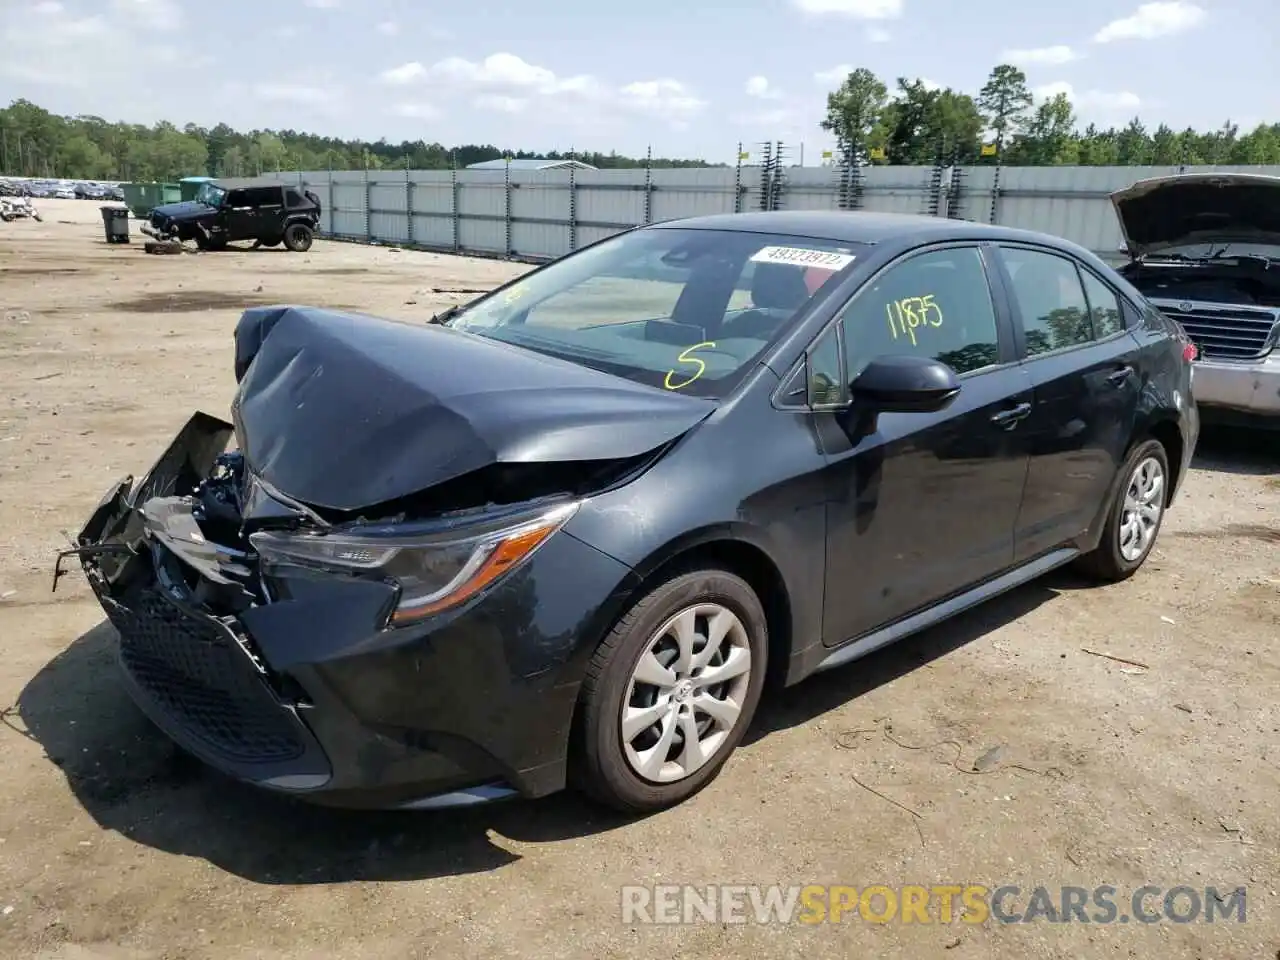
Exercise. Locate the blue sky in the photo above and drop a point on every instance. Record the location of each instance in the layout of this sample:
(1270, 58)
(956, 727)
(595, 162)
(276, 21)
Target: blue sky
(692, 79)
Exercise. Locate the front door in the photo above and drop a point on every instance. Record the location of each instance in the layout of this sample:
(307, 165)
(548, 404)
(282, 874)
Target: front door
(240, 217)
(1083, 367)
(924, 506)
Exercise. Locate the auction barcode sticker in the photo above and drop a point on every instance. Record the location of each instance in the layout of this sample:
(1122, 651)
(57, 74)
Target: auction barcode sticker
(801, 257)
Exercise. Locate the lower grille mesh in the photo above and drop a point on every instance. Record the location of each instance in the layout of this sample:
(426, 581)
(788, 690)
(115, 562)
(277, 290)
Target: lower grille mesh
(196, 673)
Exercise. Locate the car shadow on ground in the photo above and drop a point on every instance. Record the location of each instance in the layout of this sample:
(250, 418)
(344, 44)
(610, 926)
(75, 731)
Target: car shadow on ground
(1240, 451)
(132, 780)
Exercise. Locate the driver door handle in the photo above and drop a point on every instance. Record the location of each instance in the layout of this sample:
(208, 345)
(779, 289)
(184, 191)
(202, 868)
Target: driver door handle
(1119, 376)
(1009, 418)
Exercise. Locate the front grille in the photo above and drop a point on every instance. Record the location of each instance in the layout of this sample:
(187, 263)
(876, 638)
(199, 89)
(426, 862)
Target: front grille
(1225, 333)
(198, 676)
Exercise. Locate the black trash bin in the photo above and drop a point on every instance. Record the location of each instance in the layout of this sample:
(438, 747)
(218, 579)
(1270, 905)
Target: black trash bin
(115, 220)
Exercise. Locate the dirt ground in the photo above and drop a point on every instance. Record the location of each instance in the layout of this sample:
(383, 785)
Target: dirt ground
(112, 845)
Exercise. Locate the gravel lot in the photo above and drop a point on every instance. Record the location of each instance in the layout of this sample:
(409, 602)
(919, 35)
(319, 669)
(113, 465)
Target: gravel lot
(113, 845)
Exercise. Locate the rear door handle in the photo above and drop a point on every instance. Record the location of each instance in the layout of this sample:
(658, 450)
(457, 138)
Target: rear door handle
(1119, 376)
(1008, 418)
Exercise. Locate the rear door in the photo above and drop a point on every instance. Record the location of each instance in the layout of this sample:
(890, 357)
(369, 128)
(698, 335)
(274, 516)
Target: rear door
(924, 505)
(1084, 369)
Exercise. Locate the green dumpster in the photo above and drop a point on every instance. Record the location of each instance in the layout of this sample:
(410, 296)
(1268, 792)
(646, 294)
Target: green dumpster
(142, 198)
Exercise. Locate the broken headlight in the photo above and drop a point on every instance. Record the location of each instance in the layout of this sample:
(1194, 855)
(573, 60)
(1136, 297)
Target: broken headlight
(435, 571)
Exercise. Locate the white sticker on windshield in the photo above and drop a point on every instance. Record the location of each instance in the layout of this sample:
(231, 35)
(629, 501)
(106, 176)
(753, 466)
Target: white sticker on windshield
(801, 257)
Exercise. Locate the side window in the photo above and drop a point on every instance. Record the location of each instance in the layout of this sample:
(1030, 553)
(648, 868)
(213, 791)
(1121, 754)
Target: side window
(935, 304)
(293, 198)
(237, 198)
(825, 372)
(1055, 313)
(1104, 306)
(264, 197)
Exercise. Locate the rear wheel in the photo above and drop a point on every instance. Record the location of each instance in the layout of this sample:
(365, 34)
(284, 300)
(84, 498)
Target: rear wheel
(1136, 514)
(297, 237)
(671, 691)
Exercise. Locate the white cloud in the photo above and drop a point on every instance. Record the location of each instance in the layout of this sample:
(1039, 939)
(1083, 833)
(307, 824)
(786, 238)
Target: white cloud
(665, 98)
(857, 9)
(151, 14)
(506, 83)
(295, 93)
(1096, 100)
(47, 8)
(90, 54)
(416, 111)
(500, 103)
(878, 35)
(1036, 56)
(779, 117)
(834, 74)
(324, 4)
(760, 88)
(388, 28)
(1151, 20)
(405, 73)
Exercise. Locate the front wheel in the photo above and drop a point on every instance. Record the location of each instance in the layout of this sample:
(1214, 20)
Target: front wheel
(297, 237)
(671, 691)
(1136, 514)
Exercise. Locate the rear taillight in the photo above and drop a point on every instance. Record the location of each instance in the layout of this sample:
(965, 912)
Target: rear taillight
(1189, 352)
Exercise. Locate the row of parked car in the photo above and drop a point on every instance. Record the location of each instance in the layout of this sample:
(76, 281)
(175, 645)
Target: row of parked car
(60, 189)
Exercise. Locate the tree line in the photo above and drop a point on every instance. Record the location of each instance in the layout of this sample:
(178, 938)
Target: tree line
(918, 123)
(914, 124)
(35, 142)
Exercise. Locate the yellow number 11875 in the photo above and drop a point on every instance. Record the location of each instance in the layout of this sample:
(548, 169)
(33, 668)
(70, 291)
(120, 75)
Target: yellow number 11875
(910, 313)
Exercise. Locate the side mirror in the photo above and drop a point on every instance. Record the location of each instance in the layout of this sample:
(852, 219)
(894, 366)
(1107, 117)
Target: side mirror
(904, 384)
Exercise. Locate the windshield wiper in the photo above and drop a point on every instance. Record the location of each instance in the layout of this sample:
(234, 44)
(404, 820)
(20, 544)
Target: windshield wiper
(447, 315)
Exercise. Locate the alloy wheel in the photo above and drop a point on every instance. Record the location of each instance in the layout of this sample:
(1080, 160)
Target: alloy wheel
(1142, 508)
(686, 693)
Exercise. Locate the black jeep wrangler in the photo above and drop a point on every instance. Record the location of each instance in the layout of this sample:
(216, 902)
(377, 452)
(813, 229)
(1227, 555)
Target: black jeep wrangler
(265, 211)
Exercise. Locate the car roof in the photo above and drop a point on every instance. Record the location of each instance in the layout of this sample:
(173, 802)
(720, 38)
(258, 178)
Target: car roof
(241, 183)
(858, 226)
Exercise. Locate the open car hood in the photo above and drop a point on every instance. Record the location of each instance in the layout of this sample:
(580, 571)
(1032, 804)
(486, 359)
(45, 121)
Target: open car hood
(344, 411)
(184, 210)
(1166, 212)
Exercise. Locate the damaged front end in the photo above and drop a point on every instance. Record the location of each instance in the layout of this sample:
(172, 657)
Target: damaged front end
(424, 658)
(173, 594)
(372, 600)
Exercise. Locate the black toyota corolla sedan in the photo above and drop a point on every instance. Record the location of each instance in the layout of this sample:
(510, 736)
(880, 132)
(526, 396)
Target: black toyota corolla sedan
(563, 534)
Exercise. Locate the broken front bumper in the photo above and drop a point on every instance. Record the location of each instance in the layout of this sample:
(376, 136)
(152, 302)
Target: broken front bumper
(308, 693)
(195, 674)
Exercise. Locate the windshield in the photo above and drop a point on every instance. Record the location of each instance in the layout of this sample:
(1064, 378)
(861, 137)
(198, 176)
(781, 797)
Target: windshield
(678, 309)
(211, 194)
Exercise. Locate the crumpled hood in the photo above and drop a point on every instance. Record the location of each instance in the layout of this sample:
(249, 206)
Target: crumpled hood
(1165, 212)
(186, 210)
(344, 411)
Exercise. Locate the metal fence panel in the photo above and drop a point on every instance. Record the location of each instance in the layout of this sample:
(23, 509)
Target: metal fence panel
(545, 214)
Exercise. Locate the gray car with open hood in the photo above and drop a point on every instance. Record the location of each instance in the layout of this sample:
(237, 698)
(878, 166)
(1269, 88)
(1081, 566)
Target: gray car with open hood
(1205, 249)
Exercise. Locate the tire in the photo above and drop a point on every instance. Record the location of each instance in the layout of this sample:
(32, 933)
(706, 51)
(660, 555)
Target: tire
(298, 237)
(1114, 560)
(606, 765)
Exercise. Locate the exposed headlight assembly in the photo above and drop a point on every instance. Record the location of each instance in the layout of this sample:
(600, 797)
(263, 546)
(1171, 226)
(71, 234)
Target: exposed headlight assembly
(435, 571)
